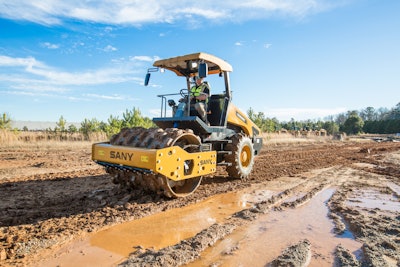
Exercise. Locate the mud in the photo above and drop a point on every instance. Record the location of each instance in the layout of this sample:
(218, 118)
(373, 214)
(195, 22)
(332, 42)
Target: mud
(295, 255)
(323, 203)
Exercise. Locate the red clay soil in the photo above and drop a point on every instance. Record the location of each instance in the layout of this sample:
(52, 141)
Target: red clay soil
(54, 195)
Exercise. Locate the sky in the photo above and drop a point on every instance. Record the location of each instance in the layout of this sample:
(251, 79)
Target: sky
(301, 59)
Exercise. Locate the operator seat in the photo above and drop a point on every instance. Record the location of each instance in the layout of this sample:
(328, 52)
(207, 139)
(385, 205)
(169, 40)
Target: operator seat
(217, 107)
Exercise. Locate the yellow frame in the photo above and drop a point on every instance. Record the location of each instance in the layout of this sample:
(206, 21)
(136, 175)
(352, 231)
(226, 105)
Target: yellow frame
(169, 161)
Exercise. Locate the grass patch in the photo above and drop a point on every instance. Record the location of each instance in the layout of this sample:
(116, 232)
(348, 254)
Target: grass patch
(23, 138)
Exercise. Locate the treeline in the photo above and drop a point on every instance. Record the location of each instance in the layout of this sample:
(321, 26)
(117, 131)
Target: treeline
(273, 125)
(368, 120)
(130, 118)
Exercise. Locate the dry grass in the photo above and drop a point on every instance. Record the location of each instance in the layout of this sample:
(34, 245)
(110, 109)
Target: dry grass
(47, 139)
(7, 137)
(273, 139)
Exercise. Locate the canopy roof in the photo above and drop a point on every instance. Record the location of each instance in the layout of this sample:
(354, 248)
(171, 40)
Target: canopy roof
(182, 65)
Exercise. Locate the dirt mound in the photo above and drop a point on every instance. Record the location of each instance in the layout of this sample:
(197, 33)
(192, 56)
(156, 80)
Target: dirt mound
(295, 255)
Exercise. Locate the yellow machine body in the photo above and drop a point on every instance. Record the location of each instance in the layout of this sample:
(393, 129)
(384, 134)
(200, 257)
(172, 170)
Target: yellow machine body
(172, 162)
(172, 158)
(238, 118)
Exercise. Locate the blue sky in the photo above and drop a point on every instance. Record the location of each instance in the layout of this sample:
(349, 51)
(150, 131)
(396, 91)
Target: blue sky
(301, 59)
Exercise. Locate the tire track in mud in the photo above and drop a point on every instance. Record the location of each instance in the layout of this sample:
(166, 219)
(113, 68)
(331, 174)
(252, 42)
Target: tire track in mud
(288, 199)
(369, 208)
(190, 249)
(103, 204)
(295, 255)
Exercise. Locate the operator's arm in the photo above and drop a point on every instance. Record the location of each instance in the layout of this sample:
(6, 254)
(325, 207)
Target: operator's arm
(205, 94)
(202, 96)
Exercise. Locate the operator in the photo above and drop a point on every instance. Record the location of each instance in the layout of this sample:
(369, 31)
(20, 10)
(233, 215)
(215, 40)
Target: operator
(199, 97)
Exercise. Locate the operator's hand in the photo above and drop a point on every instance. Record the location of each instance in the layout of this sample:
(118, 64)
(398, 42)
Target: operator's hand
(202, 97)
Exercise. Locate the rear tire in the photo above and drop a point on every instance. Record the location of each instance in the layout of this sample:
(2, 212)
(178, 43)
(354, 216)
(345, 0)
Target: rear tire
(242, 157)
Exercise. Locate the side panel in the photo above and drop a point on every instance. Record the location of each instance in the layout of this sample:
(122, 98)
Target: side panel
(125, 156)
(172, 162)
(240, 119)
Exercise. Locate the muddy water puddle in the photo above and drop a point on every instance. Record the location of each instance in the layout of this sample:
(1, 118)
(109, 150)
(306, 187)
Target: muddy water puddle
(270, 234)
(374, 199)
(255, 245)
(394, 187)
(113, 245)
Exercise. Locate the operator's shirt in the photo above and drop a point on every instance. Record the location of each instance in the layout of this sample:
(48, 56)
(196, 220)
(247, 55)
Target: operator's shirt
(198, 90)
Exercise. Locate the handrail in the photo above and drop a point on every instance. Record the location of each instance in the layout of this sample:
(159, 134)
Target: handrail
(164, 103)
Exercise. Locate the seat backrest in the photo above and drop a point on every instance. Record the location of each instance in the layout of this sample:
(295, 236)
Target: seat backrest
(217, 105)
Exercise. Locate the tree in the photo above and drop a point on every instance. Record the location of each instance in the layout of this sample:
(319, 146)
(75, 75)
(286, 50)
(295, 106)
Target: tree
(5, 121)
(368, 114)
(394, 113)
(340, 118)
(382, 113)
(72, 128)
(134, 118)
(114, 125)
(61, 124)
(331, 127)
(264, 123)
(353, 124)
(90, 126)
(392, 126)
(272, 125)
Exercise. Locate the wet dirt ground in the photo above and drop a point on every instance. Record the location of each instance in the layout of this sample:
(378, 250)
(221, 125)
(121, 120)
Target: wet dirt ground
(316, 203)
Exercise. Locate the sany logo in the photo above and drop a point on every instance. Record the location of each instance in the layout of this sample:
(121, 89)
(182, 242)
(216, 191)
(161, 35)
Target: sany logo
(121, 155)
(206, 161)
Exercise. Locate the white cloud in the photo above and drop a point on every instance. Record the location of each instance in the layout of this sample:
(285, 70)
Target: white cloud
(27, 62)
(32, 71)
(34, 86)
(21, 93)
(111, 97)
(267, 45)
(206, 12)
(144, 58)
(109, 48)
(108, 29)
(108, 97)
(50, 45)
(239, 43)
(120, 12)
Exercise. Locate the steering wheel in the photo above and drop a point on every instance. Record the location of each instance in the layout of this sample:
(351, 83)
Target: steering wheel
(184, 92)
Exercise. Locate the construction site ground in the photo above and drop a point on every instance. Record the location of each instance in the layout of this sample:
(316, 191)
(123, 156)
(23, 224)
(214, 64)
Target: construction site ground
(308, 202)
